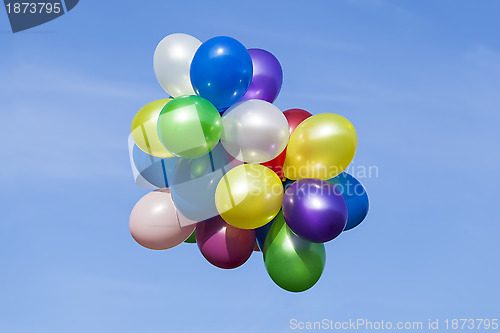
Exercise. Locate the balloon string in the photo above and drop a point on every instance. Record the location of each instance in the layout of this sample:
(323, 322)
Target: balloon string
(164, 172)
(223, 169)
(147, 142)
(229, 191)
(212, 162)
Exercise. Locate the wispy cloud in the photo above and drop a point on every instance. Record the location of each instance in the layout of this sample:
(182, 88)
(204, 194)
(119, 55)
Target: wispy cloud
(65, 124)
(396, 11)
(51, 78)
(485, 57)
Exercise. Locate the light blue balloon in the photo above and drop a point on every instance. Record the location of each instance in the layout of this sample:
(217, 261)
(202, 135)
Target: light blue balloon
(194, 181)
(155, 170)
(355, 197)
(221, 71)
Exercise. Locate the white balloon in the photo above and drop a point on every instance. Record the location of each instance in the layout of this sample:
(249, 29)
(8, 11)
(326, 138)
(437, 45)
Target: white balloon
(254, 131)
(172, 62)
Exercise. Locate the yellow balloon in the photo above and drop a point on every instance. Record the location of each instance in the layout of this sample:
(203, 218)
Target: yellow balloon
(144, 129)
(249, 196)
(322, 146)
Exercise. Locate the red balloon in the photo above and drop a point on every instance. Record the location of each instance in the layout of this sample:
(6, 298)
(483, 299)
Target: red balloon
(294, 117)
(222, 244)
(276, 164)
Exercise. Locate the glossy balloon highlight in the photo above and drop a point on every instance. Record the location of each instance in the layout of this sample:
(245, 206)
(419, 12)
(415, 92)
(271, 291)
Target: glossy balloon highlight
(222, 244)
(249, 196)
(267, 76)
(221, 71)
(172, 63)
(355, 197)
(144, 129)
(315, 210)
(322, 146)
(254, 131)
(293, 263)
(189, 126)
(156, 224)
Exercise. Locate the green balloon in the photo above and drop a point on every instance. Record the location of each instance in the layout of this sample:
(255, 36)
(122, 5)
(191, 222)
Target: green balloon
(191, 239)
(293, 263)
(189, 126)
(200, 166)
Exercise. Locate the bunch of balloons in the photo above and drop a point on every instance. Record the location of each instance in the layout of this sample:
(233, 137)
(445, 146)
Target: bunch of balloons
(234, 174)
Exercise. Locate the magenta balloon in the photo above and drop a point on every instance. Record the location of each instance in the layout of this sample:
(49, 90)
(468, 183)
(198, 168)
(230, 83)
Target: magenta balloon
(267, 76)
(222, 244)
(315, 210)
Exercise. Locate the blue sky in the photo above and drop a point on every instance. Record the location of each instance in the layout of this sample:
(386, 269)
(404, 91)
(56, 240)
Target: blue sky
(418, 79)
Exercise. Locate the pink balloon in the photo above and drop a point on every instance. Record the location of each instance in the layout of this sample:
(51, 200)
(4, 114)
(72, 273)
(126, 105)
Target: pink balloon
(222, 244)
(156, 224)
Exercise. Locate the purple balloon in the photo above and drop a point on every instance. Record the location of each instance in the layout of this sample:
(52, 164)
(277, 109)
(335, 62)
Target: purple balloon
(222, 244)
(267, 76)
(315, 210)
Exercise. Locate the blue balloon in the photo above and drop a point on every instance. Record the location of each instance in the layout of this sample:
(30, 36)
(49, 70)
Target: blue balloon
(355, 197)
(221, 71)
(261, 234)
(287, 183)
(155, 170)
